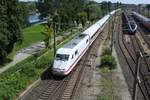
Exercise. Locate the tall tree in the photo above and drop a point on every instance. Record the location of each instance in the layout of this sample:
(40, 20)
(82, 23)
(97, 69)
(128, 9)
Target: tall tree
(82, 18)
(93, 11)
(109, 6)
(67, 10)
(104, 7)
(9, 27)
(48, 34)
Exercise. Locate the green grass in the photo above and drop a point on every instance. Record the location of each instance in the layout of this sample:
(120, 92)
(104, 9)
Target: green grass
(106, 92)
(31, 35)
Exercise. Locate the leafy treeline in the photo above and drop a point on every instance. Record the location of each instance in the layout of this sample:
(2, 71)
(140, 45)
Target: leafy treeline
(11, 15)
(70, 11)
(62, 11)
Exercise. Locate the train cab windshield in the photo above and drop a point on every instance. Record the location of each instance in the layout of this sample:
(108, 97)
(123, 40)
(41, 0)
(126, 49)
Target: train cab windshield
(63, 57)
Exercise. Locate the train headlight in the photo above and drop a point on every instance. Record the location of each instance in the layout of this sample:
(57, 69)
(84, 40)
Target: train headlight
(55, 69)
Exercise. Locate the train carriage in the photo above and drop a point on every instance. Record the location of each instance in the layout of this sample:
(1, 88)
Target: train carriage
(145, 21)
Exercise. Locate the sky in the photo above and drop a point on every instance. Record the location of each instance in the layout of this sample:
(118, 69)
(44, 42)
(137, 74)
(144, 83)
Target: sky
(128, 1)
(123, 1)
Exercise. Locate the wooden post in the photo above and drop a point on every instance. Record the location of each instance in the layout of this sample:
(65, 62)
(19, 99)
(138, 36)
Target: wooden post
(54, 39)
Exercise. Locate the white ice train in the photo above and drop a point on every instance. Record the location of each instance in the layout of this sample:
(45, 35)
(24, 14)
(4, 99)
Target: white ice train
(68, 56)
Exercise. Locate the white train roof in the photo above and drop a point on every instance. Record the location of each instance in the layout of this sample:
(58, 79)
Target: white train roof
(103, 20)
(94, 28)
(91, 30)
(68, 48)
(144, 18)
(64, 51)
(74, 42)
(112, 12)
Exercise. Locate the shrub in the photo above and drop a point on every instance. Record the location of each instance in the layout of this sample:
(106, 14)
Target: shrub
(29, 70)
(106, 51)
(104, 97)
(44, 61)
(22, 74)
(108, 60)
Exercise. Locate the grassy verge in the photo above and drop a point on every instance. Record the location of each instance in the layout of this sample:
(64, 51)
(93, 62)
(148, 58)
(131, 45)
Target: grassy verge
(18, 77)
(22, 74)
(108, 63)
(31, 35)
(106, 84)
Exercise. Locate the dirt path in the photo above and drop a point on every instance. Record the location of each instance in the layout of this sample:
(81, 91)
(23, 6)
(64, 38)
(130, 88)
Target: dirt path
(120, 88)
(19, 57)
(23, 54)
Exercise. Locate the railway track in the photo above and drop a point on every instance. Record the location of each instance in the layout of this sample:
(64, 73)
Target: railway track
(62, 88)
(144, 32)
(128, 50)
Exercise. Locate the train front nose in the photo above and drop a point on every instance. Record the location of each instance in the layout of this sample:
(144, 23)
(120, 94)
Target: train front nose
(58, 68)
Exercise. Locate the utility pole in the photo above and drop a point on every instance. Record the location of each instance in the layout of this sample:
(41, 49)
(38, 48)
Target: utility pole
(54, 39)
(112, 33)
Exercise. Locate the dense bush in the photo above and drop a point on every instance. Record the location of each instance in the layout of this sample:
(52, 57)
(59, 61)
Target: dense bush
(28, 71)
(106, 51)
(18, 77)
(108, 60)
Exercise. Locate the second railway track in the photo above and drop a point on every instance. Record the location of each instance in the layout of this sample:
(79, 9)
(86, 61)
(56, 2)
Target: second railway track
(128, 50)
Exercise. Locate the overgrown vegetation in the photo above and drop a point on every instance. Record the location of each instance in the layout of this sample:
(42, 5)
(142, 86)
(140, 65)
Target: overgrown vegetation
(106, 51)
(31, 35)
(106, 84)
(108, 63)
(18, 77)
(107, 59)
(10, 15)
(68, 12)
(49, 34)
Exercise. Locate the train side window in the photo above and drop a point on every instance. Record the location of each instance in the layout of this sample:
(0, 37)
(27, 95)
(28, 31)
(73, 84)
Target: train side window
(76, 52)
(87, 41)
